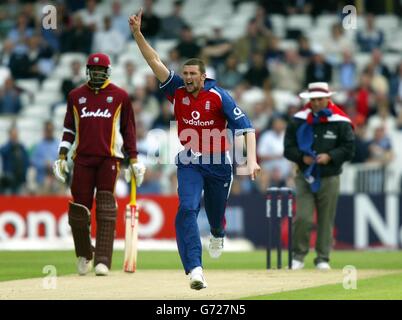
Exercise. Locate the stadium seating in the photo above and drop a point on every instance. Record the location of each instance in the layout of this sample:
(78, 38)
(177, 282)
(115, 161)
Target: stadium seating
(202, 16)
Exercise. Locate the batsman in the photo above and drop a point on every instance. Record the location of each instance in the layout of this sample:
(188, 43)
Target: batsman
(99, 127)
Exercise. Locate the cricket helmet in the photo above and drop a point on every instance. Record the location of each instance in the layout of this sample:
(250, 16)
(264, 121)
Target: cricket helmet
(98, 69)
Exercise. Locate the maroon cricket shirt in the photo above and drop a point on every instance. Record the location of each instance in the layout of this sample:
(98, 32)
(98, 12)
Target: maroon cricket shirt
(101, 122)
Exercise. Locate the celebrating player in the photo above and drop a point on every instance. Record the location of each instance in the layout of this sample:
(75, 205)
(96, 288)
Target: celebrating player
(200, 107)
(100, 123)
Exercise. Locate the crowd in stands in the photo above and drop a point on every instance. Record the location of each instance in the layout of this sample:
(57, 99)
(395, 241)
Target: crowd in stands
(262, 69)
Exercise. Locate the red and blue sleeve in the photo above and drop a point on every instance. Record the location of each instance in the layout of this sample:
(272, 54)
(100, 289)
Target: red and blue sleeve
(170, 86)
(238, 121)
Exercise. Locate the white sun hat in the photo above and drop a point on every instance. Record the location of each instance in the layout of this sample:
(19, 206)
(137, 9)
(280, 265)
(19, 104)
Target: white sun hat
(316, 90)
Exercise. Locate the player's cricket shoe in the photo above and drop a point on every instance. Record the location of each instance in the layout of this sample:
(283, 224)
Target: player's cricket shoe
(83, 266)
(215, 247)
(197, 281)
(323, 266)
(101, 269)
(297, 265)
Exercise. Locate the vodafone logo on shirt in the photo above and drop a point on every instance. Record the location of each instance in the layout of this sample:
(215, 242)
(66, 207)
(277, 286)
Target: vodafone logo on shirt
(195, 121)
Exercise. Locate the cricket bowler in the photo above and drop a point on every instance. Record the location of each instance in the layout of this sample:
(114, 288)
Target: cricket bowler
(200, 107)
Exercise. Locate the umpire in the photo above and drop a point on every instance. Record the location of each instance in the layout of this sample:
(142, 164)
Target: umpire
(319, 140)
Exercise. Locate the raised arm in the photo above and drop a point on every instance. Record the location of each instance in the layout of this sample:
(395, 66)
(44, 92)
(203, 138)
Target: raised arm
(150, 55)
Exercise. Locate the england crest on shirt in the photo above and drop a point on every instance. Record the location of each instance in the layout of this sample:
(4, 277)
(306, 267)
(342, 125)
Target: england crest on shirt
(186, 101)
(207, 105)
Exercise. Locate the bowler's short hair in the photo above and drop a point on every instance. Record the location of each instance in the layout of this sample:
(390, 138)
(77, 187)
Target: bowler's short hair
(196, 62)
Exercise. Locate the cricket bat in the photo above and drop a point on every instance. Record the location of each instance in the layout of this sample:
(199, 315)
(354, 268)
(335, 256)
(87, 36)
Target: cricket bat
(131, 234)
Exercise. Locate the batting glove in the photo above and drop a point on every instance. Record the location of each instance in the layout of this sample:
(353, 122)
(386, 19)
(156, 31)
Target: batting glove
(137, 169)
(60, 170)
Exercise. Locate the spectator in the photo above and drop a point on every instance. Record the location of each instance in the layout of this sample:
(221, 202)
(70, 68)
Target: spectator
(165, 117)
(9, 11)
(108, 40)
(263, 21)
(298, 7)
(258, 73)
(4, 75)
(173, 23)
(363, 96)
(15, 162)
(217, 48)
(378, 66)
(151, 23)
(288, 75)
(371, 37)
(304, 47)
(152, 88)
(361, 144)
(20, 34)
(347, 71)
(36, 62)
(379, 83)
(75, 5)
(273, 6)
(251, 42)
(6, 53)
(350, 109)
(261, 113)
(187, 47)
(72, 81)
(10, 101)
(42, 158)
(274, 53)
(383, 116)
(28, 11)
(336, 44)
(77, 38)
(396, 93)
(228, 74)
(40, 56)
(91, 16)
(128, 82)
(380, 147)
(147, 148)
(149, 104)
(270, 150)
(174, 61)
(119, 20)
(318, 70)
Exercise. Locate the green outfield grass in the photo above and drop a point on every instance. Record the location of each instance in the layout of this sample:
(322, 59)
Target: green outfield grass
(379, 288)
(23, 264)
